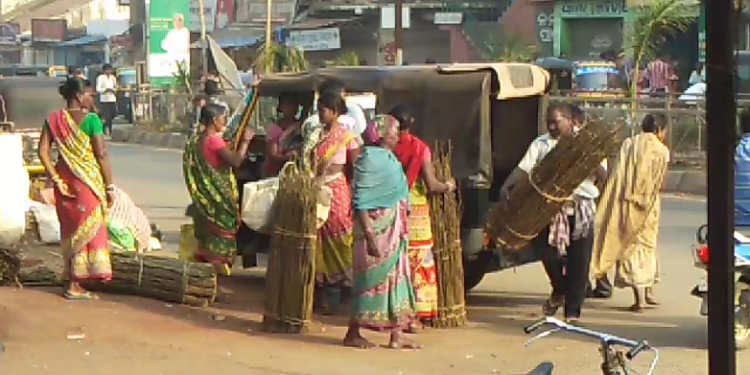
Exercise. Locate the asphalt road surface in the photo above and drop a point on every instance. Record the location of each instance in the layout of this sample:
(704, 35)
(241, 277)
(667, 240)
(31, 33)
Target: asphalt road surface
(506, 300)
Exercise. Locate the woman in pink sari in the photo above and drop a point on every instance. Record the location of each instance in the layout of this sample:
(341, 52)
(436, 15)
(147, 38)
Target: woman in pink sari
(83, 186)
(278, 150)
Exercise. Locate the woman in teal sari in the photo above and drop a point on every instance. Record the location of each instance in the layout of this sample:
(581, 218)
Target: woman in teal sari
(382, 294)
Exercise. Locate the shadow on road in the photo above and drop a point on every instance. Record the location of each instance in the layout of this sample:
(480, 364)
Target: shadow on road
(508, 313)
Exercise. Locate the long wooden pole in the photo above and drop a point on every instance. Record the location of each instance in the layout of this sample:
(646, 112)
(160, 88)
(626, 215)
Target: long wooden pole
(721, 115)
(269, 40)
(398, 32)
(204, 50)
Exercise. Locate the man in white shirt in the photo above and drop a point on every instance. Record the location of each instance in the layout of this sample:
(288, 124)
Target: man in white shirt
(106, 87)
(565, 247)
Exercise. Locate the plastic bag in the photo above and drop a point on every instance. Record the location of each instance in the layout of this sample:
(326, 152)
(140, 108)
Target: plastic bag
(14, 191)
(257, 202)
(46, 218)
(188, 243)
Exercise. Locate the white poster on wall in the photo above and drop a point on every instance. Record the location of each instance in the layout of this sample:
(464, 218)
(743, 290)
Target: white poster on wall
(315, 40)
(388, 17)
(209, 9)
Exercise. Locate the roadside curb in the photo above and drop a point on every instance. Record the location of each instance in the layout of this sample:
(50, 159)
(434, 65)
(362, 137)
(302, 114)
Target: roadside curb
(685, 182)
(162, 140)
(679, 182)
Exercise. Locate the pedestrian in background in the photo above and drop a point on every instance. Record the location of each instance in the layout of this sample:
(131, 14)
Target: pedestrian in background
(696, 76)
(106, 87)
(627, 226)
(659, 74)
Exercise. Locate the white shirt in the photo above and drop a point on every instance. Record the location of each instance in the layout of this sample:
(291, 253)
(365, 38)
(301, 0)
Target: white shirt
(356, 121)
(539, 148)
(104, 83)
(177, 42)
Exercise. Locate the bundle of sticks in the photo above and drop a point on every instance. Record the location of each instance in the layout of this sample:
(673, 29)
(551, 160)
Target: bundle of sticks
(445, 211)
(10, 264)
(534, 201)
(290, 277)
(165, 279)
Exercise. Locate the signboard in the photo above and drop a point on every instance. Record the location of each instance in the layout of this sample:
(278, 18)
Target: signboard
(209, 11)
(448, 18)
(9, 33)
(123, 2)
(48, 30)
(388, 17)
(170, 40)
(315, 40)
(545, 26)
(255, 11)
(224, 13)
(591, 9)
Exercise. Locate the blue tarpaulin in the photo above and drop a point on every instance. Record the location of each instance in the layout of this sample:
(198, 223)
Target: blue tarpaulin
(82, 41)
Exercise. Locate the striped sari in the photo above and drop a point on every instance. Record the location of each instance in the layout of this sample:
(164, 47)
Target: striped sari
(383, 297)
(83, 228)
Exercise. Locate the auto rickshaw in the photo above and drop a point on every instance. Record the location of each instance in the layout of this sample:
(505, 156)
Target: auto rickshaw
(599, 79)
(26, 102)
(490, 113)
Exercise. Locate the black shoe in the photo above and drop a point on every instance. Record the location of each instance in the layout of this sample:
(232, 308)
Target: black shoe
(600, 294)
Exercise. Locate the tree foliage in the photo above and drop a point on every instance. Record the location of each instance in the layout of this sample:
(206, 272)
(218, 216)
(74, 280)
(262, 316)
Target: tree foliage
(275, 58)
(349, 58)
(649, 27)
(510, 49)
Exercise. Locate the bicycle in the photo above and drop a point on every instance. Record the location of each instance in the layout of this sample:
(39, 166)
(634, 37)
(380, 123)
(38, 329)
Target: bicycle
(613, 361)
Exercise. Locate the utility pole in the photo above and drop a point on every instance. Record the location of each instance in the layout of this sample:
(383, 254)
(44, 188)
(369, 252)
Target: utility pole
(204, 50)
(721, 116)
(399, 31)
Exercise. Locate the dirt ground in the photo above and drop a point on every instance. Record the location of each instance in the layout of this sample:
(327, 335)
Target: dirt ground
(44, 334)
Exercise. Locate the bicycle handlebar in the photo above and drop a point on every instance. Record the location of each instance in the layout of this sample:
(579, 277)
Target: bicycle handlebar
(635, 346)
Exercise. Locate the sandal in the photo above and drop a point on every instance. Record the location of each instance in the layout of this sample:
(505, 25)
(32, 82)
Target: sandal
(87, 296)
(551, 306)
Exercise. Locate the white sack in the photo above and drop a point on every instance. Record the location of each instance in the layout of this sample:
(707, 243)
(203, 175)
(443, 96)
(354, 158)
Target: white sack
(14, 191)
(46, 218)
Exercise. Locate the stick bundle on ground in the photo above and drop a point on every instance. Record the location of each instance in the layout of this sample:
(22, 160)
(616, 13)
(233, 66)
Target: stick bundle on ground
(535, 200)
(10, 264)
(445, 211)
(165, 279)
(290, 277)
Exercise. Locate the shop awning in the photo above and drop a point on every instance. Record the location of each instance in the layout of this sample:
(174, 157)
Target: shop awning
(234, 37)
(82, 41)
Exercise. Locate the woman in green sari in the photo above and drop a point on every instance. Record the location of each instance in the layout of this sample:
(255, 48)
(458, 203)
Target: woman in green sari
(207, 167)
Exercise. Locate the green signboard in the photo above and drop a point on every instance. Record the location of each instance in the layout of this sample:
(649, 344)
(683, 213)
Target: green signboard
(169, 39)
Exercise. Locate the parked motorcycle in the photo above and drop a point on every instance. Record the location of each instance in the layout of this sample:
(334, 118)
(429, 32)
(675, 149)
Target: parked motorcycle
(741, 286)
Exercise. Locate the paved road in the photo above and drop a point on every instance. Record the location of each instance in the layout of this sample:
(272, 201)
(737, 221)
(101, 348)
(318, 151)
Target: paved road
(503, 300)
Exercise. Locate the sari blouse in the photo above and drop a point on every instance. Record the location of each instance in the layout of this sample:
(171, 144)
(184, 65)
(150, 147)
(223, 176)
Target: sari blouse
(91, 125)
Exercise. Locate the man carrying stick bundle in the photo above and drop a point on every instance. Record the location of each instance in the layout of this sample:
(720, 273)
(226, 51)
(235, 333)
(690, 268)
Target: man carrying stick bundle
(565, 247)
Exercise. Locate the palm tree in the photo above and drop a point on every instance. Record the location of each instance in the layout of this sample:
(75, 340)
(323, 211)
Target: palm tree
(349, 58)
(281, 59)
(649, 28)
(511, 49)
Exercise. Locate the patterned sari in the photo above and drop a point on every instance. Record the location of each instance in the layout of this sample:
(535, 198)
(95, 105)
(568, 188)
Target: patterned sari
(413, 152)
(83, 225)
(383, 297)
(216, 198)
(334, 260)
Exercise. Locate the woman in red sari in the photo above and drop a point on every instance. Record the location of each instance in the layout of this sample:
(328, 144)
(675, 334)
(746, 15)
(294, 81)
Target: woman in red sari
(333, 157)
(416, 158)
(83, 186)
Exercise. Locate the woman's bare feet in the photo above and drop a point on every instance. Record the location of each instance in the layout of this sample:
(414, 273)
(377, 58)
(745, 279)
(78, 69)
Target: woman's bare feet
(636, 308)
(399, 341)
(354, 339)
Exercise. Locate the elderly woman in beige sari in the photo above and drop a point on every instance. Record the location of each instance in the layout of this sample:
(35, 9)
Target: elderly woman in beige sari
(627, 226)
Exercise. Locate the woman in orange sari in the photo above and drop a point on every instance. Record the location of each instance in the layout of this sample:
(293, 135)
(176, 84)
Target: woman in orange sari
(333, 157)
(83, 186)
(416, 158)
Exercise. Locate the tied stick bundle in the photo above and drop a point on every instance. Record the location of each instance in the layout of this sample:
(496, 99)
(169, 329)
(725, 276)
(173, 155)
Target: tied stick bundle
(535, 200)
(10, 264)
(290, 278)
(445, 211)
(165, 279)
